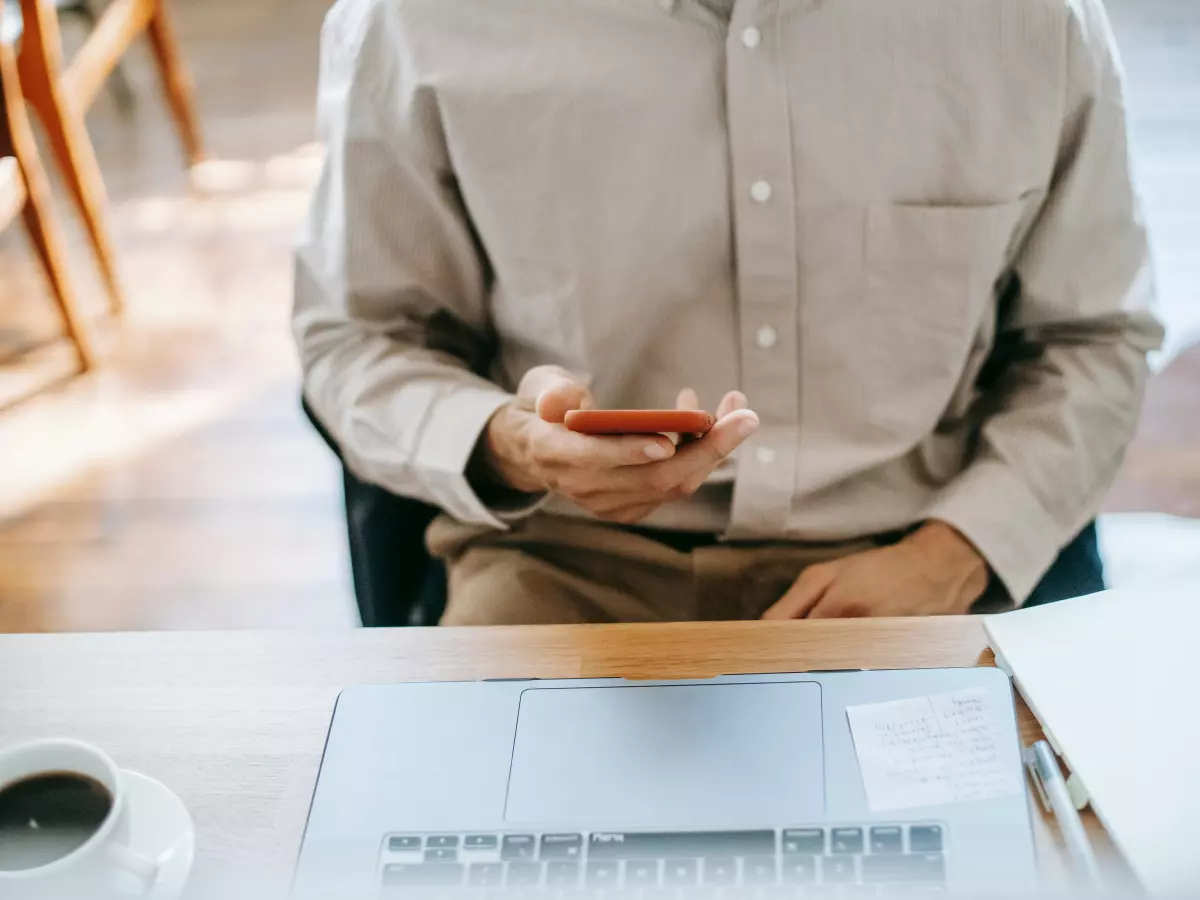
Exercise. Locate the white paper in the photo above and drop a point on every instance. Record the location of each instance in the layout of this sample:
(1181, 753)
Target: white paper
(947, 748)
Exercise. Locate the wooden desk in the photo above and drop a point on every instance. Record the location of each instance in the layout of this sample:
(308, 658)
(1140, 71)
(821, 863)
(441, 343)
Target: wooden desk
(235, 722)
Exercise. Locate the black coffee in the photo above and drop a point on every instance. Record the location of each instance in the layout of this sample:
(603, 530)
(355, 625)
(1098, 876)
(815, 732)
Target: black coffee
(46, 816)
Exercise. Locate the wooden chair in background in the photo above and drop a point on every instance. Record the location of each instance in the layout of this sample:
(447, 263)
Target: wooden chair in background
(61, 95)
(25, 190)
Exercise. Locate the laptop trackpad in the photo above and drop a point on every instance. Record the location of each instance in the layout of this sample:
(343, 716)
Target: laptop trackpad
(702, 755)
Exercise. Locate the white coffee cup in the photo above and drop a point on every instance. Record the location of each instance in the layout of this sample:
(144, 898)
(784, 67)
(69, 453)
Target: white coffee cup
(104, 858)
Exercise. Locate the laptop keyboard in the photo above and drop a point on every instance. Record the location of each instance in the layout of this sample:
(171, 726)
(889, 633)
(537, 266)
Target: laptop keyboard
(768, 864)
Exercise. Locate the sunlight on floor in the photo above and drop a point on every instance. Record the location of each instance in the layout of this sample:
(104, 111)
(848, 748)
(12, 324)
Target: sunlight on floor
(91, 423)
(215, 303)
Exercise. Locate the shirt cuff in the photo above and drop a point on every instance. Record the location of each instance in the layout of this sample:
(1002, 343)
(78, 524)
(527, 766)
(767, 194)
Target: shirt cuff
(448, 439)
(998, 513)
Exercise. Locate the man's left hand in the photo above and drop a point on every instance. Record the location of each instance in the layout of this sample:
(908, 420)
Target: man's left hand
(933, 571)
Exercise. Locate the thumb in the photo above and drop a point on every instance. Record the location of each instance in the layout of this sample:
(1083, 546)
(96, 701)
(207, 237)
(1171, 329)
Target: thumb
(731, 402)
(552, 392)
(804, 594)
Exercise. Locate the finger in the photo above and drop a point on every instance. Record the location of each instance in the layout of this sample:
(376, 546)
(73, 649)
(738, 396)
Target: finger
(687, 399)
(630, 515)
(554, 403)
(804, 594)
(540, 379)
(552, 391)
(693, 463)
(559, 448)
(833, 605)
(732, 401)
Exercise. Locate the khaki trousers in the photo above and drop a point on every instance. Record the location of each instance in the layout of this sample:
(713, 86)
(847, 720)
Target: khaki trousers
(556, 570)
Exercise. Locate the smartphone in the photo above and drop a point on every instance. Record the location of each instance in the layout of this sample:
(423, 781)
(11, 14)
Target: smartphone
(639, 421)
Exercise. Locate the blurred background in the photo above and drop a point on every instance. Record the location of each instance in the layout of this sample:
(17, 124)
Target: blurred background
(176, 484)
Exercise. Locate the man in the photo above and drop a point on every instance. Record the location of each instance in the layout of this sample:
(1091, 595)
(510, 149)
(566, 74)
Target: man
(893, 244)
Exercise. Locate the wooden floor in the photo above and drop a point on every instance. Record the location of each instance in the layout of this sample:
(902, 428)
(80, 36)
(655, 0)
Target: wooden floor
(180, 488)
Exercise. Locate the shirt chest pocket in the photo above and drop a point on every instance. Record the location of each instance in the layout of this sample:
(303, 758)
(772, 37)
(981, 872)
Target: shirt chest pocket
(929, 279)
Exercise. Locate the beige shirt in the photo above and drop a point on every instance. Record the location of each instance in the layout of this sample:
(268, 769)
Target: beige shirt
(905, 230)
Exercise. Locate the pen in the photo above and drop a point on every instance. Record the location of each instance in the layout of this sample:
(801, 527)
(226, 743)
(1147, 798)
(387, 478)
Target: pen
(1052, 788)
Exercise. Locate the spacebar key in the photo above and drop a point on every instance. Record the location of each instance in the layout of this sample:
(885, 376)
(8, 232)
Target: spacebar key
(427, 875)
(679, 844)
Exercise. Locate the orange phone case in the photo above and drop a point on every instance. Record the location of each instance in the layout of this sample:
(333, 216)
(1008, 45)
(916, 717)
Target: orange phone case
(638, 421)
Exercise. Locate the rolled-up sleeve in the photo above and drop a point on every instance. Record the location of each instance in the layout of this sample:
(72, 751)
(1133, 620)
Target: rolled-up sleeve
(390, 308)
(1066, 410)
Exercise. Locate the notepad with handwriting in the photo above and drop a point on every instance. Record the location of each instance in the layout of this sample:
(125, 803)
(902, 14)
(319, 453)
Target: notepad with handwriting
(927, 751)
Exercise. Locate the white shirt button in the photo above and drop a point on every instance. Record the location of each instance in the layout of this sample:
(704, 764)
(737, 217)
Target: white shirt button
(751, 37)
(765, 337)
(760, 192)
(765, 455)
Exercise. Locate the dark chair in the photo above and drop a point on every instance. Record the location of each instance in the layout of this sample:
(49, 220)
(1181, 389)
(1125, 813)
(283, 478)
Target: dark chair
(396, 581)
(1079, 570)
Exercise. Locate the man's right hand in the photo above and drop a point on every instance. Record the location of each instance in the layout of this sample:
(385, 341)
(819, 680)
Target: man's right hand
(621, 478)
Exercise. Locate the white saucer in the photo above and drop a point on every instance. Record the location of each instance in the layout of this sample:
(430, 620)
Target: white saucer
(161, 829)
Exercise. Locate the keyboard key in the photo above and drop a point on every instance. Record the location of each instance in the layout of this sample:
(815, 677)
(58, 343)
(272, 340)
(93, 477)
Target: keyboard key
(641, 873)
(846, 840)
(517, 846)
(807, 841)
(485, 875)
(603, 873)
(680, 845)
(398, 842)
(906, 868)
(759, 871)
(720, 871)
(888, 839)
(441, 854)
(441, 840)
(799, 869)
(925, 838)
(419, 875)
(562, 874)
(840, 869)
(680, 872)
(562, 846)
(523, 874)
(480, 842)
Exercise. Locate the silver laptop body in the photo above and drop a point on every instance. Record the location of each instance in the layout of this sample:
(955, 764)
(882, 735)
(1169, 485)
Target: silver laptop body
(743, 787)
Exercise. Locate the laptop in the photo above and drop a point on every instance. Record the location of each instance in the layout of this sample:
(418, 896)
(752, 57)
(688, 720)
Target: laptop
(740, 787)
